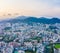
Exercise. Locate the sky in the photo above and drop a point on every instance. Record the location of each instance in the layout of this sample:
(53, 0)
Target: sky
(38, 8)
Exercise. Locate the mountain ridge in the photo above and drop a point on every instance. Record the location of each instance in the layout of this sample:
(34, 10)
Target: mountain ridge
(31, 19)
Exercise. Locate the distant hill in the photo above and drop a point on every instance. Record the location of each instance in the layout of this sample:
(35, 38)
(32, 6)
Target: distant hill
(33, 19)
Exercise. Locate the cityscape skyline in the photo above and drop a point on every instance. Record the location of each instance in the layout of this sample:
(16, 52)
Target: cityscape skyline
(29, 26)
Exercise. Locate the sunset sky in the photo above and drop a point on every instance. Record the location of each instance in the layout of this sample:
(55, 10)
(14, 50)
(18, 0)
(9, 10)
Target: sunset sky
(46, 8)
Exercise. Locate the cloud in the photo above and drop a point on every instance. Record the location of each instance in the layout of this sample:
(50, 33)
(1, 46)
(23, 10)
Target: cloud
(9, 14)
(51, 2)
(16, 13)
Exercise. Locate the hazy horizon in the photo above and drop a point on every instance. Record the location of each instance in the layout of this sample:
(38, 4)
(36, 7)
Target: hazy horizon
(37, 8)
